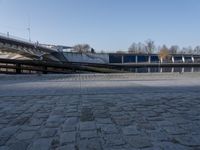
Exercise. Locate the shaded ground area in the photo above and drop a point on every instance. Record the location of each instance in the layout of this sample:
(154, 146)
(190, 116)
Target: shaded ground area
(100, 112)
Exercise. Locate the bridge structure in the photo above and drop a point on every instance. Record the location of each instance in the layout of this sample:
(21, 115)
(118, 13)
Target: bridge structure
(28, 49)
(51, 59)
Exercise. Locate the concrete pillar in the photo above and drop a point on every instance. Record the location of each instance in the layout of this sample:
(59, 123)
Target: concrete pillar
(172, 59)
(161, 70)
(161, 60)
(192, 59)
(149, 69)
(182, 69)
(149, 59)
(183, 59)
(136, 59)
(172, 69)
(192, 69)
(122, 59)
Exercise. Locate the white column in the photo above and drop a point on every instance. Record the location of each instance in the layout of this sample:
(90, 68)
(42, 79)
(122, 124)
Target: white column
(183, 59)
(192, 59)
(161, 69)
(192, 69)
(136, 59)
(149, 70)
(183, 69)
(149, 59)
(172, 69)
(172, 59)
(161, 60)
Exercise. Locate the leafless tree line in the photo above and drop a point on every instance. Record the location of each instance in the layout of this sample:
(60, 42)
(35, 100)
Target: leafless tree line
(149, 47)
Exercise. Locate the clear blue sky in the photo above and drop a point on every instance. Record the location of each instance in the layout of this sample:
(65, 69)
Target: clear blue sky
(104, 24)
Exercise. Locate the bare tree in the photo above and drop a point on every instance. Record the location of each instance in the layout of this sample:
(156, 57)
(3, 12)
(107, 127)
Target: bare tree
(186, 50)
(82, 48)
(174, 49)
(137, 48)
(133, 48)
(141, 48)
(120, 52)
(150, 46)
(197, 50)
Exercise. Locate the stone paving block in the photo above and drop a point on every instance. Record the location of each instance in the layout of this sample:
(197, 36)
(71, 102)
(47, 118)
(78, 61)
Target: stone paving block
(113, 140)
(48, 132)
(8, 131)
(67, 137)
(29, 128)
(159, 135)
(18, 146)
(103, 120)
(86, 114)
(41, 115)
(188, 140)
(67, 147)
(89, 125)
(70, 124)
(88, 134)
(139, 141)
(173, 146)
(145, 126)
(25, 135)
(107, 128)
(174, 130)
(20, 121)
(130, 130)
(41, 144)
(3, 140)
(89, 144)
(4, 148)
(36, 122)
(123, 120)
(54, 121)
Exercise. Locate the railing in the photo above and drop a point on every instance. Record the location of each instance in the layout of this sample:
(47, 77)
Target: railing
(18, 39)
(8, 35)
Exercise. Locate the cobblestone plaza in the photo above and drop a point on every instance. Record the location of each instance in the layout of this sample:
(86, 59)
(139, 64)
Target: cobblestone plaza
(100, 112)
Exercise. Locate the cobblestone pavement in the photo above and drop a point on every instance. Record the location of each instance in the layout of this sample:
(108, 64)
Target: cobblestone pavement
(105, 112)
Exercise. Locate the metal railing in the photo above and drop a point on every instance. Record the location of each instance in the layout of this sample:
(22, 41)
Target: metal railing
(8, 35)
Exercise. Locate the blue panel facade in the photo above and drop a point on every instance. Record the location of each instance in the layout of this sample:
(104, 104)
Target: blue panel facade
(154, 59)
(115, 58)
(143, 58)
(178, 59)
(129, 59)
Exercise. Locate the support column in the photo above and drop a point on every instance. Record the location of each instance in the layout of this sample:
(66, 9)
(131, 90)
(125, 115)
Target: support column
(161, 60)
(182, 70)
(136, 59)
(122, 59)
(149, 59)
(192, 69)
(149, 69)
(161, 70)
(183, 59)
(172, 69)
(192, 59)
(172, 59)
